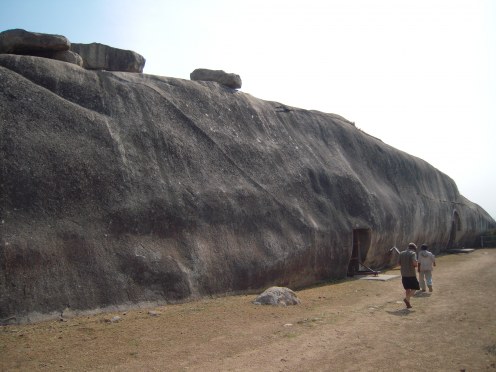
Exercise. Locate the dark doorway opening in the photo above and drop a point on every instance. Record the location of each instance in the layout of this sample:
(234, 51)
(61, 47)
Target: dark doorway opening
(361, 245)
(455, 226)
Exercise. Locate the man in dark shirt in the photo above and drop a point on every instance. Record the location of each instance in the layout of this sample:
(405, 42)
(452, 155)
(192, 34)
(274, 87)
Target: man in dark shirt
(408, 263)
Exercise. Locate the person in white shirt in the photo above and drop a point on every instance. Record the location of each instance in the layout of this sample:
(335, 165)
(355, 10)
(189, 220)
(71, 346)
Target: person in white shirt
(426, 263)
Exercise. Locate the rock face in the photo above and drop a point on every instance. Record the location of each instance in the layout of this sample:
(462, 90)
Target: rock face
(277, 296)
(230, 80)
(103, 57)
(119, 188)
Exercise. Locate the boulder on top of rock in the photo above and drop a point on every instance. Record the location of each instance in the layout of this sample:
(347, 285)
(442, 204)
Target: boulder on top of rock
(66, 56)
(277, 296)
(19, 41)
(230, 80)
(98, 56)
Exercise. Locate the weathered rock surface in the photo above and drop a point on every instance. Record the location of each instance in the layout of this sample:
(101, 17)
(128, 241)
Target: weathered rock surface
(228, 79)
(118, 188)
(18, 41)
(280, 296)
(103, 57)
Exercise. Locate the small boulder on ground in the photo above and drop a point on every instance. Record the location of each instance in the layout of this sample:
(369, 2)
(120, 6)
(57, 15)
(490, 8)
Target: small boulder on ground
(98, 56)
(68, 313)
(277, 296)
(115, 319)
(230, 80)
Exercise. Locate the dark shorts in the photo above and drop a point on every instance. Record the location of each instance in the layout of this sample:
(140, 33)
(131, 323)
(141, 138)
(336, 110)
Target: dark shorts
(410, 282)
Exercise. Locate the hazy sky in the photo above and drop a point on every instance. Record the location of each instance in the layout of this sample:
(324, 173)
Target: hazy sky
(420, 75)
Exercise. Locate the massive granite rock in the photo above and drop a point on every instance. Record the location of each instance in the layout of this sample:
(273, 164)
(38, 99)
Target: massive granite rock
(119, 188)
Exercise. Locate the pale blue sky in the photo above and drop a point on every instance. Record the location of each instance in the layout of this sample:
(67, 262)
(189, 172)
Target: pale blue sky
(420, 75)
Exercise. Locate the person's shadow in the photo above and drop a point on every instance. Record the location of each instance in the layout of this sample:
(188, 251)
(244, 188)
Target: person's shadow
(422, 294)
(400, 312)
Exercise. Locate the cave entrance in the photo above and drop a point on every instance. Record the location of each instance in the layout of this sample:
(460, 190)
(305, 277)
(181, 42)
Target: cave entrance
(360, 246)
(455, 226)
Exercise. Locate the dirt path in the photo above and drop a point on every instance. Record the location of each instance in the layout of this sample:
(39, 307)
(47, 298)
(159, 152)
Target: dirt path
(355, 325)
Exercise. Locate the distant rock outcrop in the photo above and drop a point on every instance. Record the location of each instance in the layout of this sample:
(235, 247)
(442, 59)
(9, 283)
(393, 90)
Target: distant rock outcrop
(230, 80)
(93, 56)
(103, 57)
(120, 188)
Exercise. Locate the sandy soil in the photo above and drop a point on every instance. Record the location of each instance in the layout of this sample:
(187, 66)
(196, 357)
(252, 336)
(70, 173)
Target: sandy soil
(353, 325)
